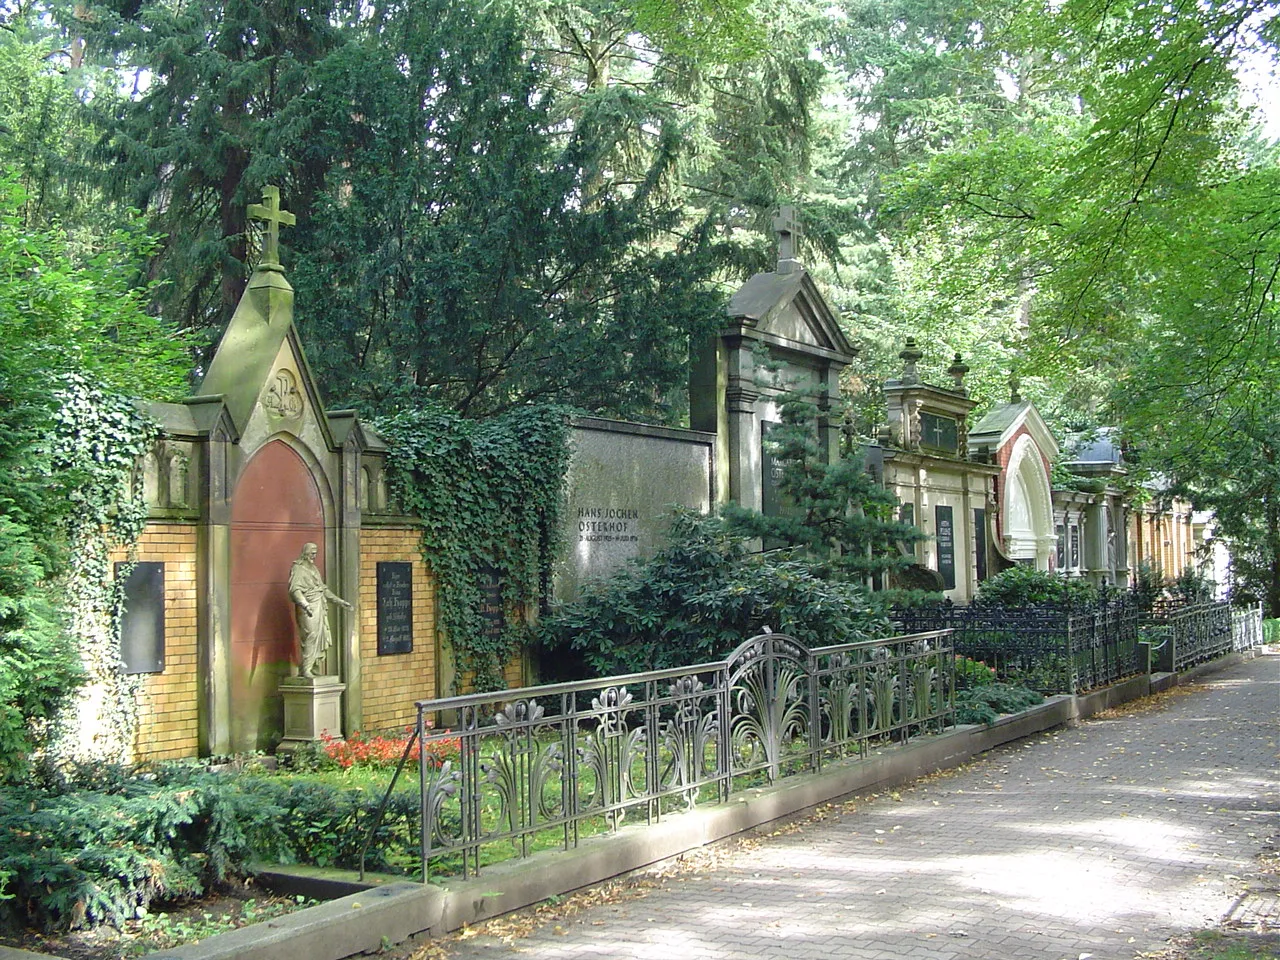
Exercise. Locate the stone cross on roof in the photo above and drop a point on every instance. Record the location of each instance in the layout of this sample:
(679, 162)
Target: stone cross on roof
(786, 225)
(269, 210)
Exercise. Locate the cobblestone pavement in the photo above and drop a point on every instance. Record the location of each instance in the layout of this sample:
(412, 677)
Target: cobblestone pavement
(1098, 841)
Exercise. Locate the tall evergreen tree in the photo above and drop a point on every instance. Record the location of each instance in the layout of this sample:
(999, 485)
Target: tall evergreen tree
(461, 247)
(836, 516)
(196, 135)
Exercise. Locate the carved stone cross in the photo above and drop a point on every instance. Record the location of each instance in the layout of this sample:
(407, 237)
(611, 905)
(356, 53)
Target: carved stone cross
(787, 227)
(269, 210)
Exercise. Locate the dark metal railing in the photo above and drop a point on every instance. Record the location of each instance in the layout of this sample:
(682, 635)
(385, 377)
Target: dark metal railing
(1246, 628)
(1187, 634)
(547, 765)
(1052, 648)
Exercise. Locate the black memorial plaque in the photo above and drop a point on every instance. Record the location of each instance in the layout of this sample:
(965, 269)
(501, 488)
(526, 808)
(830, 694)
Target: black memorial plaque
(980, 541)
(142, 624)
(395, 607)
(946, 546)
(493, 612)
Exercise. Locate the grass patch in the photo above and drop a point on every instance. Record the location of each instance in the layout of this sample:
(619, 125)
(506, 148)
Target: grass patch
(1221, 945)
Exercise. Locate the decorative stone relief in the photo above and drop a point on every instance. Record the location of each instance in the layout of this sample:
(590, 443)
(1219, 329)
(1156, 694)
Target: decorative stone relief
(179, 470)
(283, 398)
(151, 479)
(911, 438)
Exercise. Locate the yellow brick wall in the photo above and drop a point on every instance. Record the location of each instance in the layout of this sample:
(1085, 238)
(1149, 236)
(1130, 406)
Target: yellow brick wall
(513, 672)
(168, 704)
(393, 682)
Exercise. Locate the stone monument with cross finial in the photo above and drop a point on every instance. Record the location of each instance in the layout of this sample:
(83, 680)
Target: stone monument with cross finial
(273, 215)
(786, 227)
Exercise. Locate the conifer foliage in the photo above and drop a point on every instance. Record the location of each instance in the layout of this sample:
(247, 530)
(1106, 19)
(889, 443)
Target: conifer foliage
(836, 515)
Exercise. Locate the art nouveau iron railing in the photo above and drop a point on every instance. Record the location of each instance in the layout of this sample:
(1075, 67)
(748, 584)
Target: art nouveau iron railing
(1052, 648)
(1190, 634)
(547, 765)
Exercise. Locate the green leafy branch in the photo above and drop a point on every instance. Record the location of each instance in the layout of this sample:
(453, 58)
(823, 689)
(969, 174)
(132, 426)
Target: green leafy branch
(489, 496)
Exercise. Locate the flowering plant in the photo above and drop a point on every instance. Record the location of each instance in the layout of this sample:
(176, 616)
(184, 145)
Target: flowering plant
(382, 751)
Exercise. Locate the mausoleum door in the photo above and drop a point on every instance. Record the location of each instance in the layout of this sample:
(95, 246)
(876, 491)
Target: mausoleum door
(276, 509)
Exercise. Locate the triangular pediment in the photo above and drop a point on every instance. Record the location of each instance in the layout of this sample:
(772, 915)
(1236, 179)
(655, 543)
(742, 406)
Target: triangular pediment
(288, 401)
(789, 308)
(250, 345)
(259, 368)
(1003, 423)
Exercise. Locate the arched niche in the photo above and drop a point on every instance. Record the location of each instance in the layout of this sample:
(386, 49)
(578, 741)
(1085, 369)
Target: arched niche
(276, 508)
(1028, 506)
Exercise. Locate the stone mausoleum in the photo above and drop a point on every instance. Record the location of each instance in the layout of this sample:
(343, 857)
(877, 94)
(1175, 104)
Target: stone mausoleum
(249, 470)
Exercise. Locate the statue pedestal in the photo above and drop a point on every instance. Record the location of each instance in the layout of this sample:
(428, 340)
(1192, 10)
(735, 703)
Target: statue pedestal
(312, 707)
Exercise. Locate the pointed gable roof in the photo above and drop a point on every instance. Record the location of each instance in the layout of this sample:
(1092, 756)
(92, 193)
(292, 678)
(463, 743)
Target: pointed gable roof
(1002, 422)
(261, 327)
(248, 349)
(788, 308)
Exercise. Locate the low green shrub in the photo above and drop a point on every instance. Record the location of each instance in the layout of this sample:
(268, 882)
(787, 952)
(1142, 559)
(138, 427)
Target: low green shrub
(971, 674)
(75, 856)
(1149, 584)
(1023, 586)
(986, 703)
(1193, 586)
(1046, 672)
(105, 844)
(325, 824)
(695, 600)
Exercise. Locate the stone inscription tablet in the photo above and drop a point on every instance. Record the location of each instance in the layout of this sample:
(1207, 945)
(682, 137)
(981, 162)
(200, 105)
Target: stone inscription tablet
(607, 525)
(142, 624)
(946, 533)
(623, 482)
(395, 607)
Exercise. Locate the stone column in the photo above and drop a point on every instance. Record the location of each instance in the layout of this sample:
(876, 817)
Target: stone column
(213, 591)
(744, 429)
(348, 581)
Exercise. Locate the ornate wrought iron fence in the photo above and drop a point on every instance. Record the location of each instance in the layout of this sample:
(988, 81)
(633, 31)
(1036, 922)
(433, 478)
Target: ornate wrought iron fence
(1049, 647)
(1246, 627)
(1194, 632)
(1104, 644)
(546, 765)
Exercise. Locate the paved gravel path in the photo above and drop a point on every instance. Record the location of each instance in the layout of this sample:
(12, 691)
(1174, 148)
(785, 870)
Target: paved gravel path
(1103, 840)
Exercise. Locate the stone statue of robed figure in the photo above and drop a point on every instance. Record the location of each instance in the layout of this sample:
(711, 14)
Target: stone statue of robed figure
(311, 598)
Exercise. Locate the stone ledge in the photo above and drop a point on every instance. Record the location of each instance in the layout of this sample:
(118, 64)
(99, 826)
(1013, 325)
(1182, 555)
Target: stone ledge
(12, 953)
(1134, 688)
(358, 923)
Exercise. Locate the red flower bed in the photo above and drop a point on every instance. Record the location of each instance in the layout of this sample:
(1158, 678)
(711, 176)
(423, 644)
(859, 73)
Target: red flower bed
(380, 751)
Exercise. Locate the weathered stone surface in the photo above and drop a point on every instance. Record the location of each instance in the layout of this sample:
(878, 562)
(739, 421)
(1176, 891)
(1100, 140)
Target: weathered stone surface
(623, 482)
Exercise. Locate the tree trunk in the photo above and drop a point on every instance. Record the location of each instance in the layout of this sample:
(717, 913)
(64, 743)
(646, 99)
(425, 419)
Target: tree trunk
(1273, 548)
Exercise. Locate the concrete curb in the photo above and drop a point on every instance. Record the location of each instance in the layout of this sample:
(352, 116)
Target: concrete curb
(389, 912)
(357, 923)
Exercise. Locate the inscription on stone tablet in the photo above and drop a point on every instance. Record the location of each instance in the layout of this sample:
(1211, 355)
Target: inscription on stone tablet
(395, 607)
(946, 546)
(493, 612)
